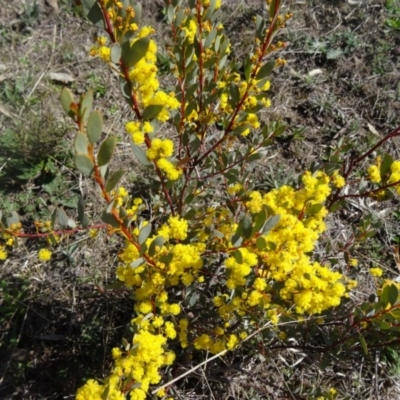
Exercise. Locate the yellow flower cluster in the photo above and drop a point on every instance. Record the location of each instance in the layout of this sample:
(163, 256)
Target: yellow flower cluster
(144, 78)
(377, 272)
(313, 288)
(159, 151)
(338, 180)
(374, 173)
(3, 253)
(44, 254)
(395, 175)
(137, 130)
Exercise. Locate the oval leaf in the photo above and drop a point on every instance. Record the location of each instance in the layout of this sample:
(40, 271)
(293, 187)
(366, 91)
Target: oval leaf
(85, 105)
(115, 53)
(144, 233)
(114, 179)
(66, 101)
(157, 242)
(81, 143)
(110, 219)
(271, 223)
(84, 164)
(140, 155)
(62, 218)
(265, 70)
(106, 151)
(94, 126)
(152, 111)
(132, 55)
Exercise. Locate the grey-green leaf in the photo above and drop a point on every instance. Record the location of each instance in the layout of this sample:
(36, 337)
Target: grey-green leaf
(140, 155)
(151, 112)
(93, 12)
(144, 233)
(271, 223)
(84, 164)
(157, 242)
(106, 151)
(82, 218)
(110, 219)
(115, 53)
(62, 218)
(265, 70)
(132, 55)
(86, 105)
(81, 143)
(94, 126)
(113, 180)
(67, 99)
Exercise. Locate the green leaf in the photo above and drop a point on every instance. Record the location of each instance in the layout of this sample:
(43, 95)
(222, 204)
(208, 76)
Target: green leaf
(138, 12)
(386, 164)
(93, 12)
(393, 294)
(116, 53)
(67, 99)
(237, 255)
(247, 67)
(140, 155)
(170, 14)
(272, 9)
(126, 91)
(132, 55)
(144, 233)
(157, 242)
(12, 219)
(62, 218)
(234, 95)
(105, 395)
(87, 5)
(259, 221)
(94, 126)
(81, 143)
(314, 209)
(106, 151)
(82, 218)
(114, 178)
(84, 164)
(246, 227)
(85, 105)
(261, 243)
(53, 240)
(384, 325)
(53, 218)
(271, 223)
(110, 219)
(384, 297)
(265, 70)
(151, 112)
(210, 38)
(363, 345)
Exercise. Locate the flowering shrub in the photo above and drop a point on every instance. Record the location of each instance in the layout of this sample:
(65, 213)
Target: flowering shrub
(219, 260)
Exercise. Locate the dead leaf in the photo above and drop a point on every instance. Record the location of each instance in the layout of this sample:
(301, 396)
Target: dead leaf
(373, 130)
(53, 4)
(315, 72)
(7, 112)
(61, 77)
